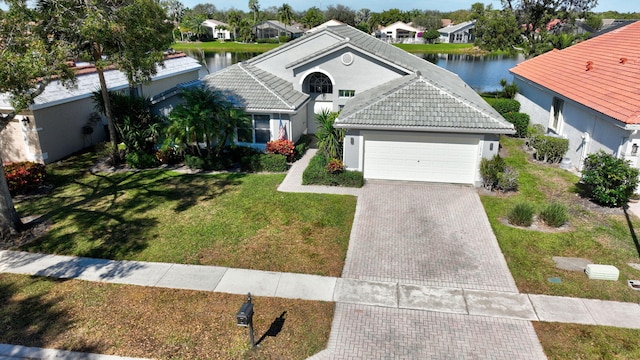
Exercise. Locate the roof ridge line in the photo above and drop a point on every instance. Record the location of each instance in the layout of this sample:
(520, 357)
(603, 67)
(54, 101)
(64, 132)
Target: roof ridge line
(265, 86)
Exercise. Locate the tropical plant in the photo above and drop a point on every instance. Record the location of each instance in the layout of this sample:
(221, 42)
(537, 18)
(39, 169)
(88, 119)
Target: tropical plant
(330, 139)
(312, 17)
(138, 127)
(206, 117)
(521, 214)
(608, 180)
(254, 6)
(285, 14)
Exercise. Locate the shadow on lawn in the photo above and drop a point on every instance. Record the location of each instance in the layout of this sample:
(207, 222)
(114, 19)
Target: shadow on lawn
(111, 217)
(275, 328)
(31, 317)
(632, 230)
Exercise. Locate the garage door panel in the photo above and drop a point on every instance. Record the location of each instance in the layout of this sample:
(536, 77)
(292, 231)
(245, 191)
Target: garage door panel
(413, 157)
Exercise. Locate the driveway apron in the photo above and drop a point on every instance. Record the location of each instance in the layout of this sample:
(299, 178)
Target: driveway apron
(429, 235)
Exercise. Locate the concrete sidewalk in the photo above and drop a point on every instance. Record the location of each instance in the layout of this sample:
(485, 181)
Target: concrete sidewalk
(497, 304)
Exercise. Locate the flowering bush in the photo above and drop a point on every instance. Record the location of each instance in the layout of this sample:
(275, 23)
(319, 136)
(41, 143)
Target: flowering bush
(334, 166)
(24, 176)
(282, 147)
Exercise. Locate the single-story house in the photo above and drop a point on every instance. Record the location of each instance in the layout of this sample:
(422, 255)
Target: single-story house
(219, 30)
(459, 34)
(406, 118)
(398, 32)
(588, 93)
(272, 29)
(64, 120)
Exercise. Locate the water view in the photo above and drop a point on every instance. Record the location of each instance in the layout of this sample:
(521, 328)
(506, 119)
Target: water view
(482, 73)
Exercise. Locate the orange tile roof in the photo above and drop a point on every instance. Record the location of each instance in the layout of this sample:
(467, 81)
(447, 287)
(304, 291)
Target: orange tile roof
(602, 73)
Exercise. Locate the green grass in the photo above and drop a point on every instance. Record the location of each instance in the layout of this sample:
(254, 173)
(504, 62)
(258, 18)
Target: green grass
(229, 219)
(603, 238)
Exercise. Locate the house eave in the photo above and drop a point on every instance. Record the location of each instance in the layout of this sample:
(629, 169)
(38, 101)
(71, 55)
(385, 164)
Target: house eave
(439, 129)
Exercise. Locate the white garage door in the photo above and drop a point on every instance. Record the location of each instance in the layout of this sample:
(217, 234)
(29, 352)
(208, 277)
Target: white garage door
(421, 157)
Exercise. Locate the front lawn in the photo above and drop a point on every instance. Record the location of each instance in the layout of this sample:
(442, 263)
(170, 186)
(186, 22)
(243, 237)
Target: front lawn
(599, 234)
(155, 323)
(229, 219)
(230, 46)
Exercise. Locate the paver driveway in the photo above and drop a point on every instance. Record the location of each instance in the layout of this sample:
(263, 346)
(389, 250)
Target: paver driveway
(425, 234)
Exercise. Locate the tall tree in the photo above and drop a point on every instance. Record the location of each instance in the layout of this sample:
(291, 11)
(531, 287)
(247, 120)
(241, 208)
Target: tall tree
(206, 9)
(534, 15)
(254, 6)
(29, 60)
(498, 30)
(285, 14)
(130, 35)
(341, 13)
(312, 17)
(233, 19)
(175, 10)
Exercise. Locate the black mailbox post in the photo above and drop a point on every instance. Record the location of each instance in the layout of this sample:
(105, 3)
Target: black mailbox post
(244, 318)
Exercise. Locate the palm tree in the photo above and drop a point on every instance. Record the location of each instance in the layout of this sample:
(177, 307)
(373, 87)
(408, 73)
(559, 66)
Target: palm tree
(330, 139)
(254, 6)
(285, 14)
(233, 19)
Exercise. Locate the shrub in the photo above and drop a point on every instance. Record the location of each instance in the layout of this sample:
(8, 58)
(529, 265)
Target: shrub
(283, 147)
(608, 180)
(238, 153)
(168, 156)
(520, 122)
(315, 173)
(206, 163)
(141, 160)
(302, 145)
(334, 166)
(549, 148)
(535, 130)
(490, 171)
(264, 162)
(555, 214)
(273, 162)
(508, 180)
(521, 214)
(24, 176)
(505, 106)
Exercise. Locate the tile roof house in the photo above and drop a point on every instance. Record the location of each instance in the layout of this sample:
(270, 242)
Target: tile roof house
(588, 93)
(399, 32)
(272, 29)
(405, 118)
(63, 120)
(459, 34)
(219, 30)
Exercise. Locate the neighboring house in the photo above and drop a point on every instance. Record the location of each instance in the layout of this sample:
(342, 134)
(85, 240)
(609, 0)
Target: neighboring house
(272, 29)
(459, 34)
(609, 25)
(399, 32)
(406, 118)
(218, 29)
(588, 93)
(64, 120)
(331, 22)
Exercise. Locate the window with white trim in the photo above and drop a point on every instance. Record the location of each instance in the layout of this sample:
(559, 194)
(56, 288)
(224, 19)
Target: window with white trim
(320, 83)
(258, 133)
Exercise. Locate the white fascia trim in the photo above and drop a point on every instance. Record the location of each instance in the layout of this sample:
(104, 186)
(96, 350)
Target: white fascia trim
(425, 129)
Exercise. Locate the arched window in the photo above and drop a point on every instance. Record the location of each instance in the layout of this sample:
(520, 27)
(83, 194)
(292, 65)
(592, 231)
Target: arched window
(320, 83)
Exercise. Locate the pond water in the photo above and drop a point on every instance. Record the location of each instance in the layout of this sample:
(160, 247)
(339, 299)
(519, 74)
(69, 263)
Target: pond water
(482, 73)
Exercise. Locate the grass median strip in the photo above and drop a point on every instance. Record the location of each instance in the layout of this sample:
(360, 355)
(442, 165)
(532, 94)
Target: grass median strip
(155, 323)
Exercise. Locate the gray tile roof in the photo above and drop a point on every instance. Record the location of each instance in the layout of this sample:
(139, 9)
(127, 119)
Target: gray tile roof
(453, 28)
(413, 102)
(256, 89)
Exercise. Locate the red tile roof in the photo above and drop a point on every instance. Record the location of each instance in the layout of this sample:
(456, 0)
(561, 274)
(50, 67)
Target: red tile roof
(602, 73)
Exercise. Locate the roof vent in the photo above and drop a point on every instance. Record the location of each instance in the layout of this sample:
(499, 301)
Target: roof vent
(419, 74)
(623, 60)
(589, 65)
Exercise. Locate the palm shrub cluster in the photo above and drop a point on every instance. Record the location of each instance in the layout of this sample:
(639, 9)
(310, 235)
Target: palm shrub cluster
(496, 175)
(608, 180)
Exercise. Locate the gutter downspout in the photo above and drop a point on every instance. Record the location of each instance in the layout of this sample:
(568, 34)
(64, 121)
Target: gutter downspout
(586, 139)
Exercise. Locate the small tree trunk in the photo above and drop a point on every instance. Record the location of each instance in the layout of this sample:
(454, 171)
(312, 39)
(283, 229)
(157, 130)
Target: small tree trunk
(97, 56)
(10, 223)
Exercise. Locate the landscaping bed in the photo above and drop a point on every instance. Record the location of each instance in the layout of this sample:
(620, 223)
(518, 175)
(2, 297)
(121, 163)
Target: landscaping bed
(155, 323)
(597, 233)
(226, 219)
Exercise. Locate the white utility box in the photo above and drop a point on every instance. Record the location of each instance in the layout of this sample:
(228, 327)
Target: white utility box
(602, 272)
